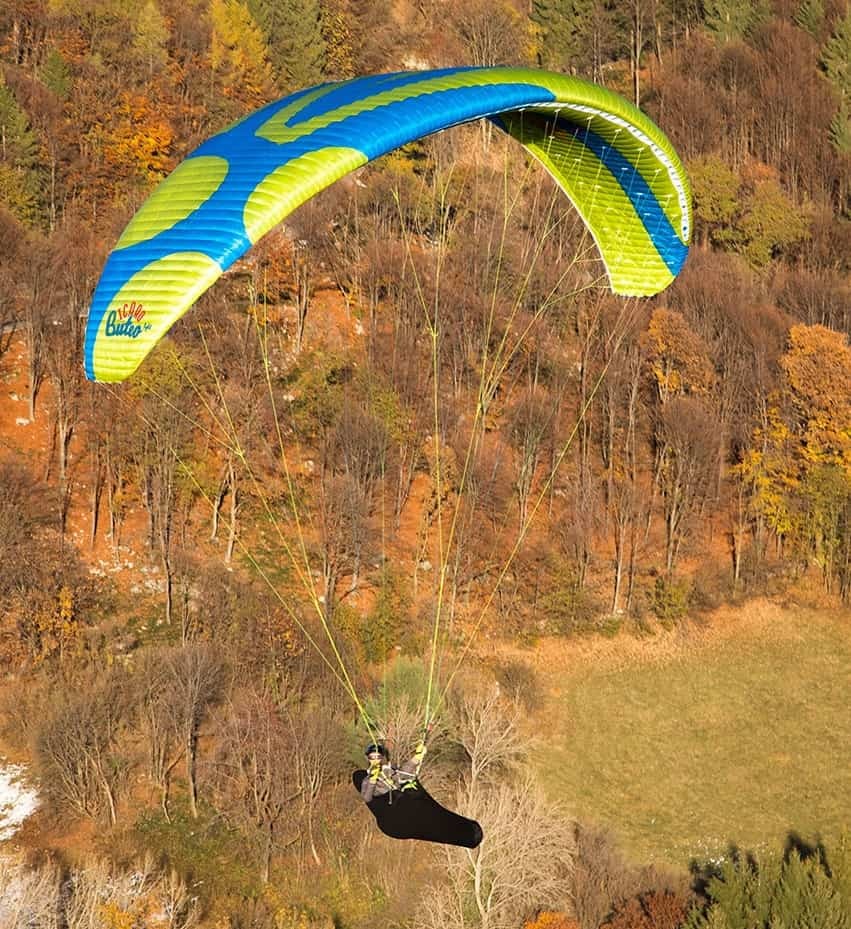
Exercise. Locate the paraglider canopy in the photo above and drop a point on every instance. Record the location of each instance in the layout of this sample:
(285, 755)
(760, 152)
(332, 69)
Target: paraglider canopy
(615, 165)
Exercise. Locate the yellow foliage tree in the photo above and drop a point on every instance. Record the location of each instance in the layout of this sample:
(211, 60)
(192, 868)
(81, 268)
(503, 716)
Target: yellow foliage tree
(113, 916)
(817, 383)
(798, 470)
(54, 627)
(238, 53)
(769, 471)
(679, 359)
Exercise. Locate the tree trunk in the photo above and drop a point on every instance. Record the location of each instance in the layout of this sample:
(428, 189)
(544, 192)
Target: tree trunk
(619, 563)
(217, 507)
(266, 869)
(168, 571)
(110, 801)
(191, 760)
(97, 492)
(234, 506)
(310, 836)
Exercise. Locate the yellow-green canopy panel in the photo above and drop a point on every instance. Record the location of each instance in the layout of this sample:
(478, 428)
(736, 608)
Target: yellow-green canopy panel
(614, 164)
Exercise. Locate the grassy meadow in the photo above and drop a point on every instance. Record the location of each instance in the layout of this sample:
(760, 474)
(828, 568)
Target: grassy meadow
(684, 748)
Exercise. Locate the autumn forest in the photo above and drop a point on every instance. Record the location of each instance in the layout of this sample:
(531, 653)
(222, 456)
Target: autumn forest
(407, 465)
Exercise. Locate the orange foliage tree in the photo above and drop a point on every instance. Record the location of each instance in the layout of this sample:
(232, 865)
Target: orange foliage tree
(653, 910)
(137, 136)
(549, 919)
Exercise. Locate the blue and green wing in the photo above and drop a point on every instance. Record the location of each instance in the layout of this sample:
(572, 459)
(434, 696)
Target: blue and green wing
(614, 164)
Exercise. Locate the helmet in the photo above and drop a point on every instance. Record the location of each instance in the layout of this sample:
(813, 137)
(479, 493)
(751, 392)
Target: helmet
(376, 749)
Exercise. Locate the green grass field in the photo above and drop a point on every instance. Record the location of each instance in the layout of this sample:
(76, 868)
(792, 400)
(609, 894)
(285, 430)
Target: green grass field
(737, 741)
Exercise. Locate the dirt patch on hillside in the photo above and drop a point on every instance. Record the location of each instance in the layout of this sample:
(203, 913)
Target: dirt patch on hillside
(30, 440)
(19, 434)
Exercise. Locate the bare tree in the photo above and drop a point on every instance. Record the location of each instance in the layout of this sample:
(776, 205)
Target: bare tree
(490, 32)
(239, 394)
(524, 862)
(358, 448)
(77, 749)
(601, 878)
(528, 428)
(48, 897)
(258, 774)
(155, 698)
(63, 359)
(196, 677)
(310, 227)
(24, 511)
(625, 498)
(687, 436)
(629, 511)
(343, 533)
(523, 865)
(486, 727)
(75, 261)
(162, 448)
(12, 245)
(116, 440)
(640, 13)
(319, 743)
(574, 532)
(29, 896)
(37, 295)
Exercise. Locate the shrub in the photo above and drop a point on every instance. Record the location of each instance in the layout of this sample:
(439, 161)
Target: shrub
(669, 599)
(516, 678)
(601, 877)
(569, 607)
(711, 587)
(609, 892)
(386, 625)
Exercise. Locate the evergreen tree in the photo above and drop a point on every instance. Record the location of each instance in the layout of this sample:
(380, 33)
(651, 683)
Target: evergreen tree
(836, 61)
(556, 28)
(733, 19)
(56, 74)
(840, 128)
(792, 892)
(836, 57)
(294, 35)
(573, 35)
(20, 182)
(839, 863)
(804, 897)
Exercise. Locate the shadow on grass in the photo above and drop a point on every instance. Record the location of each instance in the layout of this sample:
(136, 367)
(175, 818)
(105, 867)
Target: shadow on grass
(703, 872)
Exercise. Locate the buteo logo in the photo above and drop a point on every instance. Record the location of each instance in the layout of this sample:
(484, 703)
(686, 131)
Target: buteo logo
(127, 320)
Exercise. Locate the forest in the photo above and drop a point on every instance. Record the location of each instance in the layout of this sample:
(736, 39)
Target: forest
(407, 450)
